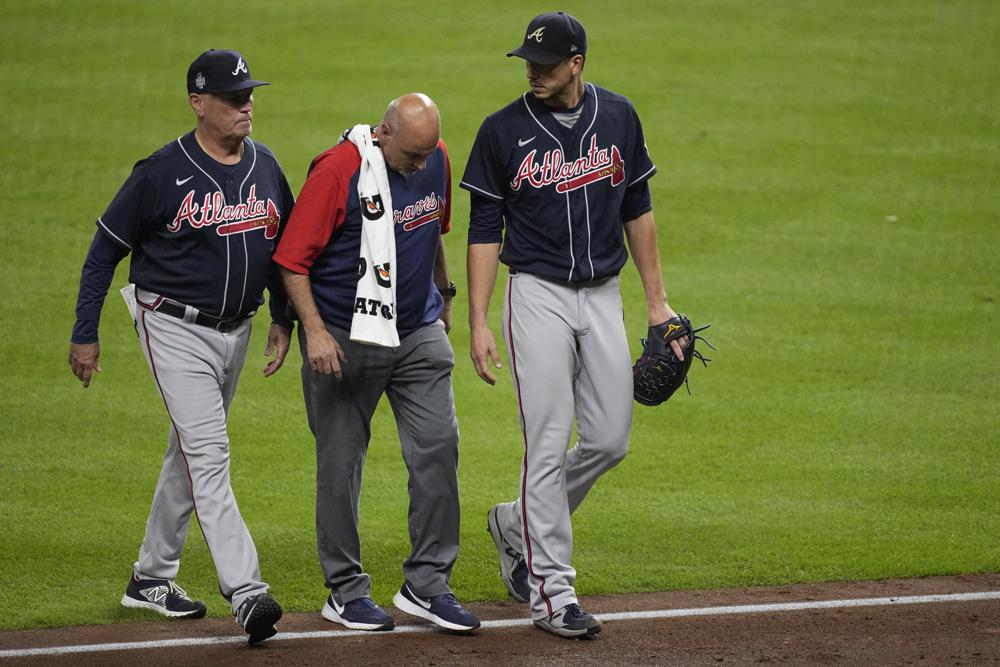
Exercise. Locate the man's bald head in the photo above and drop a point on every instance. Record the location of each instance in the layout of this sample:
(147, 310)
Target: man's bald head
(409, 133)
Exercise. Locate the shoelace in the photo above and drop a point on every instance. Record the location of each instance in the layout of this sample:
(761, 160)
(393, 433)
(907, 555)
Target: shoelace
(449, 599)
(177, 590)
(518, 558)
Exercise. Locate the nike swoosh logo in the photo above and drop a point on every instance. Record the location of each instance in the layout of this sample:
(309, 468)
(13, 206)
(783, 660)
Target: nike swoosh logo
(250, 612)
(525, 142)
(180, 182)
(423, 603)
(339, 608)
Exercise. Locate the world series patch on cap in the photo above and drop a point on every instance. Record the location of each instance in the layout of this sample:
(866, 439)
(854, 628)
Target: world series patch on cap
(552, 38)
(220, 71)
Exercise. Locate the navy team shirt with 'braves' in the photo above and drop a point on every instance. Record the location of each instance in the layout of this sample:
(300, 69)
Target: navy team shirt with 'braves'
(323, 237)
(200, 232)
(564, 193)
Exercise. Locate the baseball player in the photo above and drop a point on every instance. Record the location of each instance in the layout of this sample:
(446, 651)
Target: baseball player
(382, 187)
(563, 169)
(200, 217)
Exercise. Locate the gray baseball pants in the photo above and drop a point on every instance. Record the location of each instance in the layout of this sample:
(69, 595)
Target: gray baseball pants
(416, 377)
(569, 359)
(196, 370)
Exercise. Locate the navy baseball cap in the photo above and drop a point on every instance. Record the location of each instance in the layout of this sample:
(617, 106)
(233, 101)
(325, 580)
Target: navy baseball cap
(552, 38)
(219, 71)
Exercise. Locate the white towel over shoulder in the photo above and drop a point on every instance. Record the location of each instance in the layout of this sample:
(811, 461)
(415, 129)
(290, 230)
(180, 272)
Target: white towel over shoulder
(374, 319)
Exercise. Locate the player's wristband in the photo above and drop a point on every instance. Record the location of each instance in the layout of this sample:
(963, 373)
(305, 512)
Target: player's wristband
(448, 292)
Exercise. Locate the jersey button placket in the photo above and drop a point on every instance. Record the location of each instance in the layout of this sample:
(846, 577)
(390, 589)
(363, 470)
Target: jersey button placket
(232, 196)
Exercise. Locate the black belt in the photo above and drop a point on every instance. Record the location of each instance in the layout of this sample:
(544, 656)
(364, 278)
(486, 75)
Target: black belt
(567, 283)
(223, 324)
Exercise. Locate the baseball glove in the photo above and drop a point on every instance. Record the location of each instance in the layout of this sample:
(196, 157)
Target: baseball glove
(658, 373)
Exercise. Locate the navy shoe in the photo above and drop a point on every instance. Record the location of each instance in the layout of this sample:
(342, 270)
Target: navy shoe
(162, 596)
(257, 616)
(513, 569)
(572, 622)
(442, 610)
(358, 614)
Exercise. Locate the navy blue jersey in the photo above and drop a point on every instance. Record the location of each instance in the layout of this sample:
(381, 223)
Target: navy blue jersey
(201, 232)
(323, 238)
(563, 190)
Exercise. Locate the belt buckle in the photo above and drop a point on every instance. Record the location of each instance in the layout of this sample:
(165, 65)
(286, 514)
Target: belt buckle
(225, 326)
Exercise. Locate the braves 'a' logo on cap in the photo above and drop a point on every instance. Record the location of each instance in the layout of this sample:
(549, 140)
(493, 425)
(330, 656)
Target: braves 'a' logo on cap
(372, 207)
(537, 35)
(241, 67)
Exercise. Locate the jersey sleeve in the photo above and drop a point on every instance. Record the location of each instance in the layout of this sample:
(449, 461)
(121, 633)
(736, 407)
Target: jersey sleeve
(124, 217)
(277, 301)
(636, 201)
(643, 167)
(95, 278)
(446, 219)
(318, 212)
(485, 170)
(287, 198)
(485, 220)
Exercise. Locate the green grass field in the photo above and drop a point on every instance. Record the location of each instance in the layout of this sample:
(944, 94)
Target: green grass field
(826, 197)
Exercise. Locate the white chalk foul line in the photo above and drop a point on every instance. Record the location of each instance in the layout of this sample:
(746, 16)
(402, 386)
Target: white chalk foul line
(508, 623)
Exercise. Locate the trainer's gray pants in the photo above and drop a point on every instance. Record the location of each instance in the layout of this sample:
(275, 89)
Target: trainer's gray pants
(569, 359)
(416, 377)
(196, 370)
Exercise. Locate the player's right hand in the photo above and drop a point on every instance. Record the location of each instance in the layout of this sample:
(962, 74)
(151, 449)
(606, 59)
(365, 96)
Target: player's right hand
(325, 354)
(483, 351)
(83, 360)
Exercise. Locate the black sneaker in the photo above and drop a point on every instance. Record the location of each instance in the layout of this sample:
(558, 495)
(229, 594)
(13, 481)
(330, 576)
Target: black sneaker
(162, 596)
(442, 610)
(513, 569)
(257, 616)
(358, 614)
(572, 622)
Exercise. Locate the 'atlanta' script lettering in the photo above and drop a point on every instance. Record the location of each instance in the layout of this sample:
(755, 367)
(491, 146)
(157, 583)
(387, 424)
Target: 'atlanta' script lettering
(230, 218)
(594, 165)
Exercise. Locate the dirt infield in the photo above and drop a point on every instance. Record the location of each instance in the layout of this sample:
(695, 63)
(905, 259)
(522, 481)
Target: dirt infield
(677, 628)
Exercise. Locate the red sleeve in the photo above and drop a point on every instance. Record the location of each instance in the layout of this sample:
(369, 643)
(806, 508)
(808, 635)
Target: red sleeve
(446, 220)
(320, 208)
